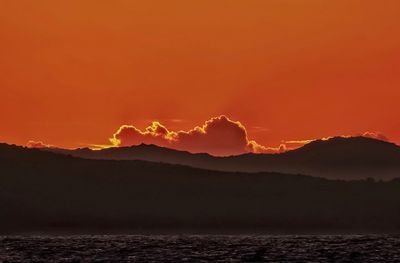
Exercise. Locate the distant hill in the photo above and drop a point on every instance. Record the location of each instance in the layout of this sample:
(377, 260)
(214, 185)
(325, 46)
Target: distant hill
(336, 158)
(44, 192)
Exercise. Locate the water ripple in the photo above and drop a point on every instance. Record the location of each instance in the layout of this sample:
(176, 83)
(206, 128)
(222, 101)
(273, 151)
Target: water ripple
(326, 248)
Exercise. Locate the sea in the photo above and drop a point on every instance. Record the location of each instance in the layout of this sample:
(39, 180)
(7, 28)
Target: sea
(202, 248)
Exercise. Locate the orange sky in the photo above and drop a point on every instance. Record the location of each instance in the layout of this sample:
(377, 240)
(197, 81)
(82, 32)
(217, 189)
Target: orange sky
(73, 71)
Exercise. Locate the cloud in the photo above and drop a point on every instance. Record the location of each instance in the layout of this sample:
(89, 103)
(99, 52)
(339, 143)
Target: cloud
(375, 135)
(254, 147)
(156, 133)
(37, 144)
(294, 144)
(218, 136)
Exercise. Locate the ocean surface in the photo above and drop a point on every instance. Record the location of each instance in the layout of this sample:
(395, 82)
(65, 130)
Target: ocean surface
(213, 248)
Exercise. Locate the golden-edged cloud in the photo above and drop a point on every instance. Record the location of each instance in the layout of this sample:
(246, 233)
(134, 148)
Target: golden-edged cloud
(37, 144)
(375, 135)
(218, 136)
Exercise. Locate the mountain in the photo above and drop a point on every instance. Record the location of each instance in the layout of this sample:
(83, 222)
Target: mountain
(336, 158)
(44, 192)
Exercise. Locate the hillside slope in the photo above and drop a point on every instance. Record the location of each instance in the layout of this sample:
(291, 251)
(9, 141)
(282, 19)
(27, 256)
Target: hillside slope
(49, 193)
(336, 158)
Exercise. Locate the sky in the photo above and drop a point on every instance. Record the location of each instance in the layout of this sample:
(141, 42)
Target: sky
(73, 72)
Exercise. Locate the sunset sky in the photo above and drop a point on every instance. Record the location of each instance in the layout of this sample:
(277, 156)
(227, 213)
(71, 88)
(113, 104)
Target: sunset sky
(72, 71)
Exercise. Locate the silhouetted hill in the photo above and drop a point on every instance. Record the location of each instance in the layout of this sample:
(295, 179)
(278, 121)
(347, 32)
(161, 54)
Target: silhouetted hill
(336, 158)
(45, 192)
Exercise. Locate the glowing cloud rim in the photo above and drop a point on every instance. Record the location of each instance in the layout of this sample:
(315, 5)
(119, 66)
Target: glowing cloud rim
(217, 136)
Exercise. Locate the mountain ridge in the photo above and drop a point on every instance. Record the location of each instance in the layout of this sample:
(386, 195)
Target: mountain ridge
(44, 192)
(335, 158)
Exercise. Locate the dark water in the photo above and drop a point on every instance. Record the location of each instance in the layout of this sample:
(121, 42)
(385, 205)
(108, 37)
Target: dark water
(355, 248)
